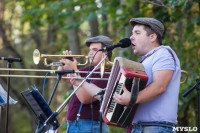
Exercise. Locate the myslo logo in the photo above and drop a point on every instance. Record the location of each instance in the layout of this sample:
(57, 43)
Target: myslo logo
(185, 128)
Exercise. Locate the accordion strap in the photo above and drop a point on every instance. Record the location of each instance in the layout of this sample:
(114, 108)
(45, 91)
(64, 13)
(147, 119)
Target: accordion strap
(134, 92)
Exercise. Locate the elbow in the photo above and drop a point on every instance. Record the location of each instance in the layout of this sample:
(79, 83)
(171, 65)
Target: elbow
(162, 90)
(85, 101)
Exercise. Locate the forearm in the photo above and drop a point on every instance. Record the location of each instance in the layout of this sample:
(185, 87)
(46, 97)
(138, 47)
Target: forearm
(91, 89)
(86, 92)
(149, 93)
(158, 86)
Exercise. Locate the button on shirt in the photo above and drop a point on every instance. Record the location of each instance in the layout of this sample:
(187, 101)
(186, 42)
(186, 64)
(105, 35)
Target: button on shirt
(165, 106)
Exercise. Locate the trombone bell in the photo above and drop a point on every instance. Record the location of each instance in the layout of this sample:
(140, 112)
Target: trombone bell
(186, 76)
(36, 56)
(105, 65)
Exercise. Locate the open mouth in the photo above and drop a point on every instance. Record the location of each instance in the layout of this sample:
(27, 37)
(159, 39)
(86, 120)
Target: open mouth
(133, 45)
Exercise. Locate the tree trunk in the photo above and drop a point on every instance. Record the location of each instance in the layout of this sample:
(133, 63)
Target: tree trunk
(105, 28)
(104, 19)
(128, 29)
(9, 50)
(2, 9)
(94, 25)
(73, 38)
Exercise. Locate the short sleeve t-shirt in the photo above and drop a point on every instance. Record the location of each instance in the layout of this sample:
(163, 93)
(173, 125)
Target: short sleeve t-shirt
(165, 106)
(86, 110)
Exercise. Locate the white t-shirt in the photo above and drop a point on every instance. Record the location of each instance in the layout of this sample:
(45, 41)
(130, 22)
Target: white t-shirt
(164, 107)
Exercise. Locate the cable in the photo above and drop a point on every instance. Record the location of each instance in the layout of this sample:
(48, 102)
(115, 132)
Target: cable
(44, 83)
(92, 61)
(91, 106)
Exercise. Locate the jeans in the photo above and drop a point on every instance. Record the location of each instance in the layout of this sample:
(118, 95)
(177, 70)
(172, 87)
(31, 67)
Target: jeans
(142, 128)
(84, 126)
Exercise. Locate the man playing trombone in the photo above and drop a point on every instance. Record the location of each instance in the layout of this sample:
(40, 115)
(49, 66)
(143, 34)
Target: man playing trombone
(79, 116)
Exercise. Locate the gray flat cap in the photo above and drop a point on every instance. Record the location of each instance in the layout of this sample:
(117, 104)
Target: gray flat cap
(153, 23)
(101, 39)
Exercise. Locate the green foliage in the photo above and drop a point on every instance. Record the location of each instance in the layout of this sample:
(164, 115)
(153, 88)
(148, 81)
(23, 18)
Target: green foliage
(113, 129)
(181, 20)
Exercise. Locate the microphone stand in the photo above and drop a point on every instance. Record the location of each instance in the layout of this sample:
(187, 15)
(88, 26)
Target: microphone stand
(50, 99)
(100, 119)
(9, 60)
(58, 80)
(197, 86)
(8, 94)
(100, 101)
(58, 111)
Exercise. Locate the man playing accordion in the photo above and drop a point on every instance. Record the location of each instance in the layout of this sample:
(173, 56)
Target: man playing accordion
(158, 101)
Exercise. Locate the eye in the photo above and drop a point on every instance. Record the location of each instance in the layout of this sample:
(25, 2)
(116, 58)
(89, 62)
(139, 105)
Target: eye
(95, 49)
(137, 33)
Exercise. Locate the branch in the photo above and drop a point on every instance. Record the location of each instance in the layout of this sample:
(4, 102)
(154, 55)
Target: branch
(158, 3)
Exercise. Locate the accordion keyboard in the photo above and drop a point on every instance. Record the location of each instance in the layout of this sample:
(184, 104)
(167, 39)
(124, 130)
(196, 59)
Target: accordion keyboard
(118, 90)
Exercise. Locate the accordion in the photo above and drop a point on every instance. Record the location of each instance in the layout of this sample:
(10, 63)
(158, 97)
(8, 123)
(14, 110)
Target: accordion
(131, 74)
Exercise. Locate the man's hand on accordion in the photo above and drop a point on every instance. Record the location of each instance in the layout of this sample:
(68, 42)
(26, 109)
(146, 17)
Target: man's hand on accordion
(124, 98)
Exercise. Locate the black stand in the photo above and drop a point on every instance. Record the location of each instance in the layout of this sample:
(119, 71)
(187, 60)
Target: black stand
(8, 94)
(54, 90)
(101, 93)
(58, 80)
(53, 116)
(9, 60)
(197, 86)
(100, 119)
(1, 108)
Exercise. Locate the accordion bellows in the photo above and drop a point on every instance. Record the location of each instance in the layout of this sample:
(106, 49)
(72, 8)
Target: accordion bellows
(130, 64)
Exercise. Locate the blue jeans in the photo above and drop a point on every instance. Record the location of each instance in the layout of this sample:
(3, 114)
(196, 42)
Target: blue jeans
(84, 126)
(141, 128)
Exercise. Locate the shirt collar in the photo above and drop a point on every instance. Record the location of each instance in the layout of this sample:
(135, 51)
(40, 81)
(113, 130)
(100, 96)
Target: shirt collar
(152, 51)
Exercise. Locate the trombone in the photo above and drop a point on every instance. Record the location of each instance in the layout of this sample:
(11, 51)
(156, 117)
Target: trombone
(37, 57)
(49, 77)
(186, 76)
(52, 77)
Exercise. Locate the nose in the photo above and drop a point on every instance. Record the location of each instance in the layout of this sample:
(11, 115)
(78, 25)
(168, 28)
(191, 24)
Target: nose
(90, 53)
(132, 37)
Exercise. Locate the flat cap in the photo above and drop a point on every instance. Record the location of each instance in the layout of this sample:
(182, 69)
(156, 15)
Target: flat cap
(99, 39)
(153, 23)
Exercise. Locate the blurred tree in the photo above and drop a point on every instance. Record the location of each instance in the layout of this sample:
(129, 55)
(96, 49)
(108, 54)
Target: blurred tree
(53, 26)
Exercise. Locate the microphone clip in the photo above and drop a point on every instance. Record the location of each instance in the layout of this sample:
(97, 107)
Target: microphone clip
(101, 92)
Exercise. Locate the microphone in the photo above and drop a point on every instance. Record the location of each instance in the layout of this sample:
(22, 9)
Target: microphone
(101, 92)
(11, 59)
(62, 72)
(123, 43)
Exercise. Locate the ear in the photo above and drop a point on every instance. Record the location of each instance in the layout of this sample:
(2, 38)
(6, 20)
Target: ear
(153, 37)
